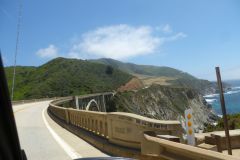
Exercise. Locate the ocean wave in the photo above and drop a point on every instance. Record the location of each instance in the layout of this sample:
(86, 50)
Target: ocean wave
(238, 87)
(232, 92)
(210, 95)
(210, 100)
(235, 88)
(226, 93)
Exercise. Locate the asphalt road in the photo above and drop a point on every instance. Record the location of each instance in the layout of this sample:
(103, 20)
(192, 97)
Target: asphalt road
(42, 138)
(34, 137)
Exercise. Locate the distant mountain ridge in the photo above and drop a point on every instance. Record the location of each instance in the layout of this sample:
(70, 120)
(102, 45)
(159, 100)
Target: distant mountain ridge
(156, 73)
(64, 77)
(143, 69)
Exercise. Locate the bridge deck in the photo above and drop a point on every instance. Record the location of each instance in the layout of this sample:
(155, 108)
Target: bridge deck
(38, 142)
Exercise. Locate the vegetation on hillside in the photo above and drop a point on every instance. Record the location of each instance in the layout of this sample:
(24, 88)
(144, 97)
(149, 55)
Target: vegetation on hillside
(143, 69)
(177, 77)
(21, 81)
(233, 123)
(64, 77)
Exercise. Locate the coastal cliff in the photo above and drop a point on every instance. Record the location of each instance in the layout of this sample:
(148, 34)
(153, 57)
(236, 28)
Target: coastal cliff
(165, 103)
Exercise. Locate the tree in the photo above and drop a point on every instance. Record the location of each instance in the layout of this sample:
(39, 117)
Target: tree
(109, 70)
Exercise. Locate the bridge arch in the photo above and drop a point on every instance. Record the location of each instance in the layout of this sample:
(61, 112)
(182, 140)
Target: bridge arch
(92, 105)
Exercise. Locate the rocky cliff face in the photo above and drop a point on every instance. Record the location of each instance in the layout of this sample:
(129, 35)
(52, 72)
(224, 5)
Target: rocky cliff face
(165, 103)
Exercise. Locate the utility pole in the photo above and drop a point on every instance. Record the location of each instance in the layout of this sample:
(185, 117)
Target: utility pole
(16, 47)
(229, 147)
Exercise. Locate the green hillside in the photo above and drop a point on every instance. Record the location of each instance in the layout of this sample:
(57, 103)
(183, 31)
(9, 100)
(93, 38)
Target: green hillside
(143, 69)
(182, 79)
(63, 77)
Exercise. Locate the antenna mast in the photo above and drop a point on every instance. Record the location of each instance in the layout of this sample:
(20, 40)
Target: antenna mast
(16, 47)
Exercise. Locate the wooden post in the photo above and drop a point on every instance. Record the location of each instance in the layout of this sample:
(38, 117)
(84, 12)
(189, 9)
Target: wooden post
(224, 111)
(218, 143)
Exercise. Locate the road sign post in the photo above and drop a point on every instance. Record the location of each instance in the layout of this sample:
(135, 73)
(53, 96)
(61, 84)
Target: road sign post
(189, 127)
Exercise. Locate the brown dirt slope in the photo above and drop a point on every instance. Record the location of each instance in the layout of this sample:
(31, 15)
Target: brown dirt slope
(133, 84)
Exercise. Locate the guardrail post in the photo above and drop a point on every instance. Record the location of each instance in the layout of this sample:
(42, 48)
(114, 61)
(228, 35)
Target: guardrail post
(67, 115)
(150, 147)
(103, 102)
(76, 102)
(218, 143)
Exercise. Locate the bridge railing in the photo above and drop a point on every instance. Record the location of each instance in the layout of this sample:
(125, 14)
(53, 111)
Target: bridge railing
(130, 130)
(95, 122)
(120, 128)
(171, 150)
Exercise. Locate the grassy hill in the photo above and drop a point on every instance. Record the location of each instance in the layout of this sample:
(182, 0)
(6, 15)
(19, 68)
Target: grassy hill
(161, 75)
(143, 69)
(63, 77)
(22, 72)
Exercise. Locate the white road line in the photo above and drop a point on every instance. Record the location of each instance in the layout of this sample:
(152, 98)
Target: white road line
(69, 150)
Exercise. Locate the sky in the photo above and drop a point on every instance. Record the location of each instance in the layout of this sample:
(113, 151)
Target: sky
(192, 36)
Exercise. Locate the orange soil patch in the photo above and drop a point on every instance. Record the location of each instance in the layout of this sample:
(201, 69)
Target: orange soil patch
(133, 84)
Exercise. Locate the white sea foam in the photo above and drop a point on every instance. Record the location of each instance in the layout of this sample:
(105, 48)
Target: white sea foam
(210, 100)
(232, 92)
(210, 95)
(238, 87)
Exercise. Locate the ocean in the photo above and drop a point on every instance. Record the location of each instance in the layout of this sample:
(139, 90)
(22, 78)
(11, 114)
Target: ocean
(232, 99)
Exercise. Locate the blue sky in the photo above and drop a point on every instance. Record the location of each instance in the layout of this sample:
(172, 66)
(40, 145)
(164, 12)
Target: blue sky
(193, 36)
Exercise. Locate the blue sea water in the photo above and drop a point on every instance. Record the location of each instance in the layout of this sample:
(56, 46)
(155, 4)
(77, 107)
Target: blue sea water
(232, 99)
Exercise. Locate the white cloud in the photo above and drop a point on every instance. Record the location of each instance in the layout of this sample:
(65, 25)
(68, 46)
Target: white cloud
(120, 42)
(73, 54)
(175, 37)
(167, 29)
(50, 52)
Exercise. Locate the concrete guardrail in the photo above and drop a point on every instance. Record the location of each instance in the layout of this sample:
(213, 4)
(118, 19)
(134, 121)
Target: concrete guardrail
(129, 130)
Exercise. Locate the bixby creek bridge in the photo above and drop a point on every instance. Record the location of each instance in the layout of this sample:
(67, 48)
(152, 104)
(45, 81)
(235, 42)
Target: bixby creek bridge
(81, 127)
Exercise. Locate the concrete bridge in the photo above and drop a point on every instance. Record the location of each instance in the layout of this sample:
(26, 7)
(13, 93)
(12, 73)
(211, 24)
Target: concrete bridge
(58, 129)
(93, 102)
(125, 134)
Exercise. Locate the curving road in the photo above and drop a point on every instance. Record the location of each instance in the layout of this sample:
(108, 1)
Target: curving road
(42, 138)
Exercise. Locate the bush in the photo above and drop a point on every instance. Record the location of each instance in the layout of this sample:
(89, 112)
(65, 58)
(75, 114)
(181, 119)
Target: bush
(233, 123)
